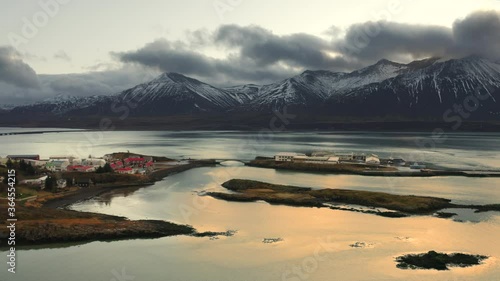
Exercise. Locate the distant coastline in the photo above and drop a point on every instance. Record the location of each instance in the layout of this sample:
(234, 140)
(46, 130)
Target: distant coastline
(246, 122)
(365, 170)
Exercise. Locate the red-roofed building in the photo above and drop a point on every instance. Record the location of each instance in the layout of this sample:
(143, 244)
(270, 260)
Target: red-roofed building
(116, 165)
(127, 170)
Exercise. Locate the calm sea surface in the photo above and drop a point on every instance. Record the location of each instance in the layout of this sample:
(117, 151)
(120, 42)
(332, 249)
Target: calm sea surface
(315, 242)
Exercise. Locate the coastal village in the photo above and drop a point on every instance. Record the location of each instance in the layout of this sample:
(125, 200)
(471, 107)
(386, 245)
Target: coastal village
(65, 170)
(68, 170)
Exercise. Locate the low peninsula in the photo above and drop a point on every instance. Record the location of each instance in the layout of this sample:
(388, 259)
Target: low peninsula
(396, 205)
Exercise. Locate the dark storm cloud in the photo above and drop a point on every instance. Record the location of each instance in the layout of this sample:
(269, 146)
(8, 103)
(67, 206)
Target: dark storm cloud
(178, 57)
(266, 48)
(96, 82)
(254, 55)
(171, 57)
(83, 84)
(376, 40)
(478, 34)
(14, 71)
(254, 52)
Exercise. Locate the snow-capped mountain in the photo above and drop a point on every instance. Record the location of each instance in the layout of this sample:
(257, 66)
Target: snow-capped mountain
(312, 87)
(6, 106)
(433, 89)
(173, 93)
(421, 88)
(179, 90)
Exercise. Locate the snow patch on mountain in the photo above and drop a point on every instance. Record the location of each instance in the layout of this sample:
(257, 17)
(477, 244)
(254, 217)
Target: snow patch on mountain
(427, 81)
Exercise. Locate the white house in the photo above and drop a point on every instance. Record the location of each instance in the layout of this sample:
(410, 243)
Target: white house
(61, 183)
(38, 181)
(80, 168)
(35, 163)
(317, 159)
(286, 156)
(333, 159)
(373, 160)
(126, 170)
(57, 165)
(345, 156)
(141, 171)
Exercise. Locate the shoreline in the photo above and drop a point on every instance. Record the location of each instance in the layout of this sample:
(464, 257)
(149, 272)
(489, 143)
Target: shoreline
(90, 192)
(85, 194)
(54, 226)
(206, 123)
(48, 221)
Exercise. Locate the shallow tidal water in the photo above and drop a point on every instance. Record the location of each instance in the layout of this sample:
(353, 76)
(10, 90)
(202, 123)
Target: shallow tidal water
(315, 241)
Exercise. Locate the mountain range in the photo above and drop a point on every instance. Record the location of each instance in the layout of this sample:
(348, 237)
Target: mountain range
(420, 90)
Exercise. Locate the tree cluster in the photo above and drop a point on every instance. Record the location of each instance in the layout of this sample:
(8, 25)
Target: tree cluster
(106, 169)
(27, 168)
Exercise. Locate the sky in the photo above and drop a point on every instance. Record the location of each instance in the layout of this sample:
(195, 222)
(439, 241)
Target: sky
(89, 47)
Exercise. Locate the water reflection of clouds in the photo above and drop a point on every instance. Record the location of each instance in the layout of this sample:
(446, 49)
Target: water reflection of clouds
(302, 229)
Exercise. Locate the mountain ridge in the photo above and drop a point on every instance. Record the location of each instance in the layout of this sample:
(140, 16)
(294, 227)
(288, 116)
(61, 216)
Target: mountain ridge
(429, 86)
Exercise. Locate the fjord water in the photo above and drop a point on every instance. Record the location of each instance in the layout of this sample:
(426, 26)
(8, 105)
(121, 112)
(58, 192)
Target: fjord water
(315, 242)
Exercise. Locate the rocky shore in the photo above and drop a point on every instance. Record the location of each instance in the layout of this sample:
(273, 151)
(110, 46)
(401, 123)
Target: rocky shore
(47, 225)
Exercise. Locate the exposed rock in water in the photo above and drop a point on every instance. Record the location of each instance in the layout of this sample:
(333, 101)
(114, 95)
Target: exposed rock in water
(361, 245)
(271, 240)
(214, 235)
(438, 261)
(444, 215)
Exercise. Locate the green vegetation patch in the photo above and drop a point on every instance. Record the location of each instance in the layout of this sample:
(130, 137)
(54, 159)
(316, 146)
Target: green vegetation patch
(248, 190)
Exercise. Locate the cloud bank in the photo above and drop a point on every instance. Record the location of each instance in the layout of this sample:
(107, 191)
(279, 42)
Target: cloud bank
(258, 49)
(253, 54)
(14, 71)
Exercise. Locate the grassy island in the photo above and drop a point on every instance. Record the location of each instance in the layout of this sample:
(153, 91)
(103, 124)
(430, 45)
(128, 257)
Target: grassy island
(401, 205)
